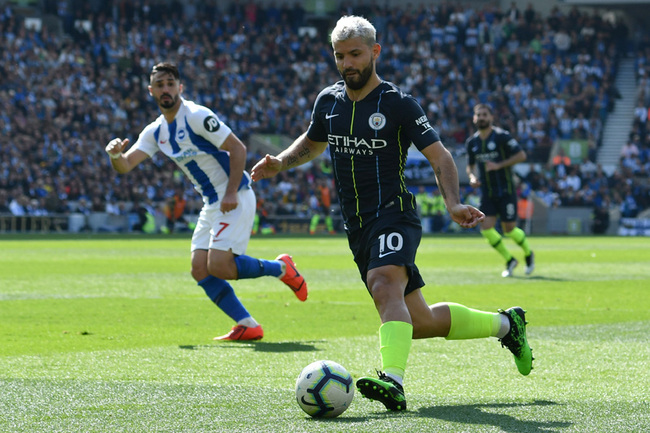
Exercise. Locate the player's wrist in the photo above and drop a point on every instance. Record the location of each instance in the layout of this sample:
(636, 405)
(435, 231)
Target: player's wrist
(114, 155)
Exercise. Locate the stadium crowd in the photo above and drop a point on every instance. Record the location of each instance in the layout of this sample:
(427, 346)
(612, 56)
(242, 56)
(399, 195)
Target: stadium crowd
(64, 95)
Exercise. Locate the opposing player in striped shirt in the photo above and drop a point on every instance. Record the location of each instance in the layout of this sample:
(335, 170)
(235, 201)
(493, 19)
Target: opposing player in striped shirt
(213, 158)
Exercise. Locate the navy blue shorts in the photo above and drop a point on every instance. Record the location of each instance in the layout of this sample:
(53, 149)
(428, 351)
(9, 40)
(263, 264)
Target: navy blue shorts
(505, 207)
(392, 239)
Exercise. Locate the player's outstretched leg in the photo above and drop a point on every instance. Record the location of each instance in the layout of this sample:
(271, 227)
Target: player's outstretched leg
(515, 340)
(292, 278)
(282, 267)
(384, 389)
(242, 333)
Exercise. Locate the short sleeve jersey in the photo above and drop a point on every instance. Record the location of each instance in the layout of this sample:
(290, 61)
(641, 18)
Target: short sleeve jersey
(368, 144)
(499, 146)
(193, 142)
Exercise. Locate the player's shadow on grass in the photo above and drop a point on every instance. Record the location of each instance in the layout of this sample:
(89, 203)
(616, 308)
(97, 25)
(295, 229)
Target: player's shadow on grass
(258, 346)
(483, 414)
(477, 414)
(538, 278)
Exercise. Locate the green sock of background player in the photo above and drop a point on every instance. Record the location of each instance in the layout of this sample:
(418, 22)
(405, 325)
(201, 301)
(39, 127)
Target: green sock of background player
(256, 224)
(314, 223)
(519, 236)
(495, 240)
(329, 223)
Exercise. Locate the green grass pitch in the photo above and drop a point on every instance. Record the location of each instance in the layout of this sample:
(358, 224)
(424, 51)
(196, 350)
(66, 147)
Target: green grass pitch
(112, 335)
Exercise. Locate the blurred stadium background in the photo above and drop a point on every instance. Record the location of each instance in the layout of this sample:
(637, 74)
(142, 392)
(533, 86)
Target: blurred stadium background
(568, 78)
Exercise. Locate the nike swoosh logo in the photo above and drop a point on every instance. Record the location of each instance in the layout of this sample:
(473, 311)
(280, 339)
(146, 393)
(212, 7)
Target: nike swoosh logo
(329, 116)
(163, 141)
(295, 270)
(382, 255)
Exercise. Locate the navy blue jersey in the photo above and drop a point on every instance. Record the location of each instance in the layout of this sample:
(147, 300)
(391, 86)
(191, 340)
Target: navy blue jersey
(499, 146)
(368, 143)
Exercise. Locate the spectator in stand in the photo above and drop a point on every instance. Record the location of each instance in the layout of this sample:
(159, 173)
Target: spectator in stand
(19, 206)
(547, 196)
(573, 180)
(41, 113)
(525, 210)
(561, 163)
(4, 202)
(321, 206)
(425, 208)
(174, 210)
(630, 149)
(146, 221)
(629, 207)
(641, 114)
(600, 222)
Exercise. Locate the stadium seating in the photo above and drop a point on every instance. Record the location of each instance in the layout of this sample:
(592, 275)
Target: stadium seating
(81, 79)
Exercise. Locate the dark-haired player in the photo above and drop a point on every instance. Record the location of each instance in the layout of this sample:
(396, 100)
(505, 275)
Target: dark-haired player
(495, 152)
(213, 158)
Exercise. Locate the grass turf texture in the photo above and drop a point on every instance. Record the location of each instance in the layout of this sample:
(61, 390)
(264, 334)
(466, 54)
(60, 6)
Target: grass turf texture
(112, 335)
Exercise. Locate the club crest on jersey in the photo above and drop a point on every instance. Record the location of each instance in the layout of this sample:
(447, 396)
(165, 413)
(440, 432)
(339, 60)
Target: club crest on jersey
(211, 124)
(180, 134)
(491, 145)
(377, 121)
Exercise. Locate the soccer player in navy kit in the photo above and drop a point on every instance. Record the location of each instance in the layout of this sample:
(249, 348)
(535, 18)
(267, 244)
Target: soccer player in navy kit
(368, 125)
(213, 158)
(494, 151)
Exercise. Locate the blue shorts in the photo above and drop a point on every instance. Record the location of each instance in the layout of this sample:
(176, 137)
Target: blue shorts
(392, 239)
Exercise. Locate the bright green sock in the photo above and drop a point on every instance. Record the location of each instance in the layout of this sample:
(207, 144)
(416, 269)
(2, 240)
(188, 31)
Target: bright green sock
(468, 323)
(329, 223)
(313, 223)
(494, 239)
(395, 344)
(519, 236)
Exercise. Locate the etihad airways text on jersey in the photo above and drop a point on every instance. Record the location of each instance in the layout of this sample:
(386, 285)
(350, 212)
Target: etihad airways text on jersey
(355, 145)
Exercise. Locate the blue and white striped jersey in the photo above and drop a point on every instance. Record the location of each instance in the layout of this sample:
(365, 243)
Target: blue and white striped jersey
(192, 141)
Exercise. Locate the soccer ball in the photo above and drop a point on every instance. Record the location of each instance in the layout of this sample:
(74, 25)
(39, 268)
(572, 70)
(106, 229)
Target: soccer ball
(324, 389)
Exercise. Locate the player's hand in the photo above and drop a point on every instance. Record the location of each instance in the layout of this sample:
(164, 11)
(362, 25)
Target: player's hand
(265, 168)
(228, 202)
(492, 166)
(116, 146)
(466, 216)
(474, 182)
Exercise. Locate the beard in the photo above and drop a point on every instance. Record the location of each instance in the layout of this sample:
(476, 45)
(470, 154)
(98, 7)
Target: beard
(356, 82)
(483, 124)
(167, 102)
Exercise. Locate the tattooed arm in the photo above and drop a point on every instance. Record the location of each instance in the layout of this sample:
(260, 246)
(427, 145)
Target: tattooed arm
(446, 173)
(302, 150)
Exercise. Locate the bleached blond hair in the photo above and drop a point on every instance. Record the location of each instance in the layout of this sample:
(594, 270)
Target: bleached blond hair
(351, 26)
